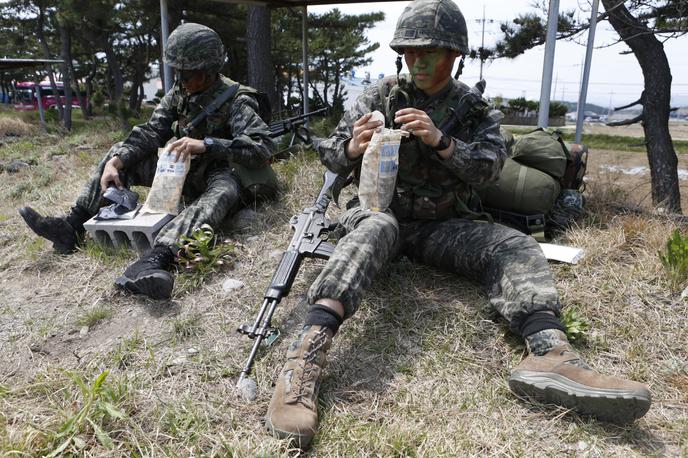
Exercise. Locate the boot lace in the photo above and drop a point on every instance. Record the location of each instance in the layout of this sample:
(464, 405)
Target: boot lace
(309, 375)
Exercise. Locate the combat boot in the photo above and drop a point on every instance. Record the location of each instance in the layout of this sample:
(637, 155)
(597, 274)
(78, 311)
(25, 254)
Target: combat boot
(150, 274)
(64, 231)
(293, 411)
(561, 377)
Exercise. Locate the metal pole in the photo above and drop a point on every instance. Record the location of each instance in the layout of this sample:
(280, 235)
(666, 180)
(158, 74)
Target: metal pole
(39, 96)
(165, 32)
(583, 94)
(304, 39)
(548, 65)
(482, 46)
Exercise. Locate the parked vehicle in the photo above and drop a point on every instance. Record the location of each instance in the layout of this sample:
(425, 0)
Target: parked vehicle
(26, 96)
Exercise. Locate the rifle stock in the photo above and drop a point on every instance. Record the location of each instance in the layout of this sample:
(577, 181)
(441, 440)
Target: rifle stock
(311, 228)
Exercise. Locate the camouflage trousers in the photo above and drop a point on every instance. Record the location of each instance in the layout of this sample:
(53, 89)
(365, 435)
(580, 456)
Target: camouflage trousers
(509, 263)
(214, 192)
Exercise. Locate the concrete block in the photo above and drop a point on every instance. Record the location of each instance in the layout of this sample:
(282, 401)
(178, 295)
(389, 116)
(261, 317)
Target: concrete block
(137, 233)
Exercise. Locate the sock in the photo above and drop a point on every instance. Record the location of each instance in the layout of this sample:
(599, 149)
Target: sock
(544, 341)
(322, 315)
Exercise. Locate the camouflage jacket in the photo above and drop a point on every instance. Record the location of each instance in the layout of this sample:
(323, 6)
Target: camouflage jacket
(239, 133)
(479, 150)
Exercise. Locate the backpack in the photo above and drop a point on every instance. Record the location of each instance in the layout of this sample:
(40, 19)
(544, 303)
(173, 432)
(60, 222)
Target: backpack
(539, 189)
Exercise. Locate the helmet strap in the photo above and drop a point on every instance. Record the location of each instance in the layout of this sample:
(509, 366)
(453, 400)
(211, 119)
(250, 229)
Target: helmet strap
(398, 67)
(460, 69)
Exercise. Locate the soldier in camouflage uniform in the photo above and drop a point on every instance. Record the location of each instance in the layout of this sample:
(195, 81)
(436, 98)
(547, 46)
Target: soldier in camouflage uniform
(232, 138)
(431, 221)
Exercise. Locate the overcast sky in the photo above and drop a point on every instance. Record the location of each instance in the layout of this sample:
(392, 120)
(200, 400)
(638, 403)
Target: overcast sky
(613, 77)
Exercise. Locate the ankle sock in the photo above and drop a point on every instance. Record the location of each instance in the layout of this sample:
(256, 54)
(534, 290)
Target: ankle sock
(323, 315)
(544, 341)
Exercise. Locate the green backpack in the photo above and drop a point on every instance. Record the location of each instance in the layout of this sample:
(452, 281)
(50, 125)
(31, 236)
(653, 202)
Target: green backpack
(537, 190)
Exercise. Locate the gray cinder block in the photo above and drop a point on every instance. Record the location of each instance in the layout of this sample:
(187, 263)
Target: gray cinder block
(137, 233)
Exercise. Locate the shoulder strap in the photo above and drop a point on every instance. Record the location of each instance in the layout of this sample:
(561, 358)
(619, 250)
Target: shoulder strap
(212, 107)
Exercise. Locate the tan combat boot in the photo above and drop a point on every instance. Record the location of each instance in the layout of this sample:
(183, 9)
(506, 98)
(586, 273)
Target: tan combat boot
(561, 377)
(293, 411)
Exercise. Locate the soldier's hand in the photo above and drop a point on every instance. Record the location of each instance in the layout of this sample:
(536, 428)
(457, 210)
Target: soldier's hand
(186, 146)
(418, 123)
(111, 174)
(363, 131)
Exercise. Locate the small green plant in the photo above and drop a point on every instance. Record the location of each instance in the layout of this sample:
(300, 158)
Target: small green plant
(201, 254)
(674, 259)
(93, 414)
(186, 327)
(94, 316)
(576, 325)
(125, 353)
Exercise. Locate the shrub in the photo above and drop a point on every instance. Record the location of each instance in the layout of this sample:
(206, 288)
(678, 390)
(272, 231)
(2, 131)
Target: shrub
(674, 259)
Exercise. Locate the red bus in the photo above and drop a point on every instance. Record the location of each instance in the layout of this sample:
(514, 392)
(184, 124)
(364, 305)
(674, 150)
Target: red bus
(26, 96)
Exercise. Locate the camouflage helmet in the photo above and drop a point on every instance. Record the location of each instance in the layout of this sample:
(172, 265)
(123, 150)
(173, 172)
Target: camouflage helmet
(195, 47)
(431, 24)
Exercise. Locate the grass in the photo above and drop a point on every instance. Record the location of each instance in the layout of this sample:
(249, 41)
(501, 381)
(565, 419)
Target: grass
(420, 370)
(94, 316)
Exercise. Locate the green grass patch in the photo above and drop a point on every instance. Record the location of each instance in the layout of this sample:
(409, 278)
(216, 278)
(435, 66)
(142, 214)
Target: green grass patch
(125, 353)
(674, 259)
(107, 254)
(186, 327)
(94, 316)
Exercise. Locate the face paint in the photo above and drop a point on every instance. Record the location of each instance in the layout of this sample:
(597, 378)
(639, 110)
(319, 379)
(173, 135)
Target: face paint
(430, 67)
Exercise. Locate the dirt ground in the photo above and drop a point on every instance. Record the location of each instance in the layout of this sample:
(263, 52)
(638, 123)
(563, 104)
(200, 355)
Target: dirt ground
(678, 129)
(630, 173)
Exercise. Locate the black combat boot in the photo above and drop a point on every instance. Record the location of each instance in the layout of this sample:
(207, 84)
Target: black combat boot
(64, 231)
(150, 274)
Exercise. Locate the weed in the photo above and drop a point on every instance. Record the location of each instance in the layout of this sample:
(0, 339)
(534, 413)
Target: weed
(674, 259)
(96, 415)
(189, 326)
(94, 316)
(200, 255)
(576, 325)
(126, 350)
(20, 189)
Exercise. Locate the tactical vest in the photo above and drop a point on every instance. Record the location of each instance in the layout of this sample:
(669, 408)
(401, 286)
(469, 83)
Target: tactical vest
(256, 183)
(425, 188)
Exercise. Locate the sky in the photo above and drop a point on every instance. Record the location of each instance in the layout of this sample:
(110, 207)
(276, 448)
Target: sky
(615, 79)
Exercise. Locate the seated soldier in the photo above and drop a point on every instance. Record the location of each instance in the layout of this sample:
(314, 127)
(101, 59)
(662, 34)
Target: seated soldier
(233, 134)
(430, 221)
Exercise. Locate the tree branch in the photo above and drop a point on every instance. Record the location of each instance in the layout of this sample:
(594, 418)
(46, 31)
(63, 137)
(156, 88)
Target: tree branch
(626, 122)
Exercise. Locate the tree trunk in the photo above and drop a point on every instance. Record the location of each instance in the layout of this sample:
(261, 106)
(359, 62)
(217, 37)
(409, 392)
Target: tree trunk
(89, 85)
(118, 82)
(66, 42)
(258, 36)
(649, 52)
(46, 50)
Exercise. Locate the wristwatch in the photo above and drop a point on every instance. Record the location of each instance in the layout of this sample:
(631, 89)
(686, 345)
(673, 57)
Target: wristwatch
(445, 142)
(209, 144)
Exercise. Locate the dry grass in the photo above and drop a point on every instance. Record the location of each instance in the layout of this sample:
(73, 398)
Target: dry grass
(419, 371)
(13, 127)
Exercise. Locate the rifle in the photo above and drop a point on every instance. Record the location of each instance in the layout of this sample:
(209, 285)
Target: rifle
(296, 126)
(311, 229)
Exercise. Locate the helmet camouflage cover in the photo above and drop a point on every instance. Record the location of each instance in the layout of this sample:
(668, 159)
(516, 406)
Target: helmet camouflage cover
(194, 46)
(431, 24)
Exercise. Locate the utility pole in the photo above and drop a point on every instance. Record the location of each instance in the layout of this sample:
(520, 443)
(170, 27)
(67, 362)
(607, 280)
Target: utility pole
(482, 41)
(548, 64)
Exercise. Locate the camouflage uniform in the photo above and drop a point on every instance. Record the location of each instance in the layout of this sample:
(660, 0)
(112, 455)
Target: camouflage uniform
(240, 137)
(509, 263)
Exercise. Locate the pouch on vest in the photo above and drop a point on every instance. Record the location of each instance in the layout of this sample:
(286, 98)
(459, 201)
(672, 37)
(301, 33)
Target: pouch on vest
(257, 184)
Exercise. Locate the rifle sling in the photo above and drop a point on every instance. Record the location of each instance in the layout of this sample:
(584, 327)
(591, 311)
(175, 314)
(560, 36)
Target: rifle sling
(214, 105)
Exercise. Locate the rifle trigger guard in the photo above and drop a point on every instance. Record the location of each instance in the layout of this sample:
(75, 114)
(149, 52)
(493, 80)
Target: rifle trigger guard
(271, 336)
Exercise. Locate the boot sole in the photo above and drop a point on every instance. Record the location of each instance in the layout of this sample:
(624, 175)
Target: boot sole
(614, 406)
(300, 440)
(157, 285)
